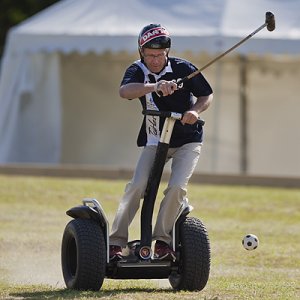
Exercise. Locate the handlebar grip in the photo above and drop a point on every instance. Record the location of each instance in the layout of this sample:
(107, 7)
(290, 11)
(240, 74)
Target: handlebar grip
(201, 122)
(149, 112)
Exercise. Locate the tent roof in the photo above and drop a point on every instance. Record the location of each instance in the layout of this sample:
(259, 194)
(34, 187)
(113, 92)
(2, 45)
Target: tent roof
(98, 25)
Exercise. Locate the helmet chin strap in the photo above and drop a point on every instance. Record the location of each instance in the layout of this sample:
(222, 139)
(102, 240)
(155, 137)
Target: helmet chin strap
(166, 63)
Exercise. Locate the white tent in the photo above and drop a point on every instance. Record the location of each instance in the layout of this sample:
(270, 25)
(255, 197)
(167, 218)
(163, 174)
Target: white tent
(31, 84)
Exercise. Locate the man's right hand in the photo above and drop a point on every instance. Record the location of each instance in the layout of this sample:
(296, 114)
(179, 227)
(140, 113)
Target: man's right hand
(165, 88)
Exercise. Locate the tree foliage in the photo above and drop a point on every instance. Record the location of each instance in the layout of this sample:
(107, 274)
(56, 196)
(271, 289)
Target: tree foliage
(12, 12)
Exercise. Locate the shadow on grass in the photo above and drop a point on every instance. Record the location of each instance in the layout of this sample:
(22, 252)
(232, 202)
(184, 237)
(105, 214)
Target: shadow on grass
(72, 294)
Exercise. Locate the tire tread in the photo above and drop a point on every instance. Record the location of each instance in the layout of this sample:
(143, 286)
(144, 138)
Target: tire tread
(91, 255)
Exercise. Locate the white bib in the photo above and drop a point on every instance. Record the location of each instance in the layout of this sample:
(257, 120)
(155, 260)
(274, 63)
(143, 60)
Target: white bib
(152, 122)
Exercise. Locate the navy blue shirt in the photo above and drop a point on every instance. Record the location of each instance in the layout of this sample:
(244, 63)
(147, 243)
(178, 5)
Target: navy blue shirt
(180, 101)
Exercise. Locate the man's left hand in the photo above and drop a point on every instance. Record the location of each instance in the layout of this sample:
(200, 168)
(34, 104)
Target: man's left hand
(190, 117)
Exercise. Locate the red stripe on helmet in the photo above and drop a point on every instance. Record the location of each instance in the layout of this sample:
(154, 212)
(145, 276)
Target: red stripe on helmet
(152, 34)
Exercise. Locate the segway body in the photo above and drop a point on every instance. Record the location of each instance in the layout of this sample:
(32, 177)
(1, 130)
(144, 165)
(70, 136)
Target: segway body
(85, 244)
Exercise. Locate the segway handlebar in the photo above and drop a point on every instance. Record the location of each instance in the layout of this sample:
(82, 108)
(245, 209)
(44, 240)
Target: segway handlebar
(168, 114)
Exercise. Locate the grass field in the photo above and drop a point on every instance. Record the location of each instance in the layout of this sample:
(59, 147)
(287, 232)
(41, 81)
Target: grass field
(32, 220)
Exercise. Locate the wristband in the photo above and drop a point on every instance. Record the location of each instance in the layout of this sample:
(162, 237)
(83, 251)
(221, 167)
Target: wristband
(156, 88)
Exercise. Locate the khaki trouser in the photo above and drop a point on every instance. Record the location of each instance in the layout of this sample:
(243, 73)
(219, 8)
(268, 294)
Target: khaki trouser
(184, 160)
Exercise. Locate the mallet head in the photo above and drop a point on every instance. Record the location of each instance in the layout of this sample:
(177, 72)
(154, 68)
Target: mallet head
(270, 21)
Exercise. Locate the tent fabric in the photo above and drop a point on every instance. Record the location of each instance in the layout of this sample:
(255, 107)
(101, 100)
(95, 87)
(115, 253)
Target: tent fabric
(30, 82)
(30, 114)
(199, 25)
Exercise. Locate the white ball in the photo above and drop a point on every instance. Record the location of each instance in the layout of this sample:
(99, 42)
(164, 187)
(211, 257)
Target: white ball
(250, 242)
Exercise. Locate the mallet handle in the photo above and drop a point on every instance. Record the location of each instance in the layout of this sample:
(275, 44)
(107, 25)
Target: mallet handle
(222, 54)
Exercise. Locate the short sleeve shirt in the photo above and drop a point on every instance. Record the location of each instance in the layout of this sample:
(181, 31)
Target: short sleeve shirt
(180, 101)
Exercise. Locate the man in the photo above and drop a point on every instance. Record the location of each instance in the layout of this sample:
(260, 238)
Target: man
(153, 79)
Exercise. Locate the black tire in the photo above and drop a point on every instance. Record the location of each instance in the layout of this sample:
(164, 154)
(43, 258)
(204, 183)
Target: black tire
(83, 255)
(194, 264)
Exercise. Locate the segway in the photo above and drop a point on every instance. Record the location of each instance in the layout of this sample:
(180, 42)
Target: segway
(85, 244)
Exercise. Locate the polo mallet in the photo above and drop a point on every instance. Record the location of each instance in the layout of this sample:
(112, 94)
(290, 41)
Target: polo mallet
(269, 23)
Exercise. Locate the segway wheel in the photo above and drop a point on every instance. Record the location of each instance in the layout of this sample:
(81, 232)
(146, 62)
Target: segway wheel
(83, 255)
(194, 261)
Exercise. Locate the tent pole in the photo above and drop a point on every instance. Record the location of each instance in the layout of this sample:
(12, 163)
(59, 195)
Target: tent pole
(243, 116)
(216, 118)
